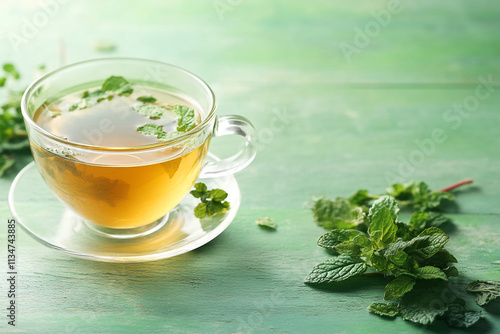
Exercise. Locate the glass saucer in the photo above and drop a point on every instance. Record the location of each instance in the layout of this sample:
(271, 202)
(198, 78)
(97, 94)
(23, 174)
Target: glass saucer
(51, 223)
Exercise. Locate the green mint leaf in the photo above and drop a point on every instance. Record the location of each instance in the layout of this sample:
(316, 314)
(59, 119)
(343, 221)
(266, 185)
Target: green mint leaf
(11, 70)
(214, 207)
(218, 195)
(266, 222)
(114, 83)
(146, 99)
(419, 221)
(200, 191)
(336, 269)
(104, 46)
(361, 198)
(382, 228)
(212, 200)
(419, 305)
(429, 272)
(381, 263)
(153, 111)
(435, 199)
(2, 81)
(402, 260)
(401, 191)
(200, 211)
(339, 214)
(485, 291)
(441, 259)
(385, 202)
(398, 287)
(126, 91)
(451, 271)
(384, 309)
(458, 317)
(156, 130)
(429, 242)
(187, 117)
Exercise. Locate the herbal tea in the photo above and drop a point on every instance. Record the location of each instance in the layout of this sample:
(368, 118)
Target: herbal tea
(119, 189)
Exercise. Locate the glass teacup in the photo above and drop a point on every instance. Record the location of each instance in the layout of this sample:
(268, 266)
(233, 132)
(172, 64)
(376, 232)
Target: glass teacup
(127, 190)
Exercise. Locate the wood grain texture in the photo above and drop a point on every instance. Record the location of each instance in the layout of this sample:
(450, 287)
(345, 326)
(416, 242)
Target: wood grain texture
(342, 125)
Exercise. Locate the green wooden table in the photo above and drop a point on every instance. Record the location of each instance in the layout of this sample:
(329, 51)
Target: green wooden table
(365, 93)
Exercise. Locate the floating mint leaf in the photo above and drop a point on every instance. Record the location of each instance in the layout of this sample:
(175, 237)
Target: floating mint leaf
(151, 110)
(146, 99)
(114, 83)
(156, 130)
(187, 117)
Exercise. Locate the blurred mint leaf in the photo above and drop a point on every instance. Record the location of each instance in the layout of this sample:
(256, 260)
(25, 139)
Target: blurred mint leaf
(146, 99)
(187, 117)
(337, 214)
(266, 222)
(153, 111)
(156, 130)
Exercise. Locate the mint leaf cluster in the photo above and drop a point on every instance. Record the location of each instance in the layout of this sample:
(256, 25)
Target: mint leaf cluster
(212, 201)
(13, 136)
(114, 85)
(352, 212)
(412, 254)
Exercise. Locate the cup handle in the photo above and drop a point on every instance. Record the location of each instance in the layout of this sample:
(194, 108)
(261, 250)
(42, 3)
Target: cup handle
(232, 125)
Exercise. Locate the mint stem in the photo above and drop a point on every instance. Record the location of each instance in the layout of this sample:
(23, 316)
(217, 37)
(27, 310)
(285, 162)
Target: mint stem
(456, 185)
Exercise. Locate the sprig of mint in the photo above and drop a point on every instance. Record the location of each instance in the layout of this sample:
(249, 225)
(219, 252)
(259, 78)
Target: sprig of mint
(413, 254)
(212, 201)
(13, 136)
(351, 212)
(114, 85)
